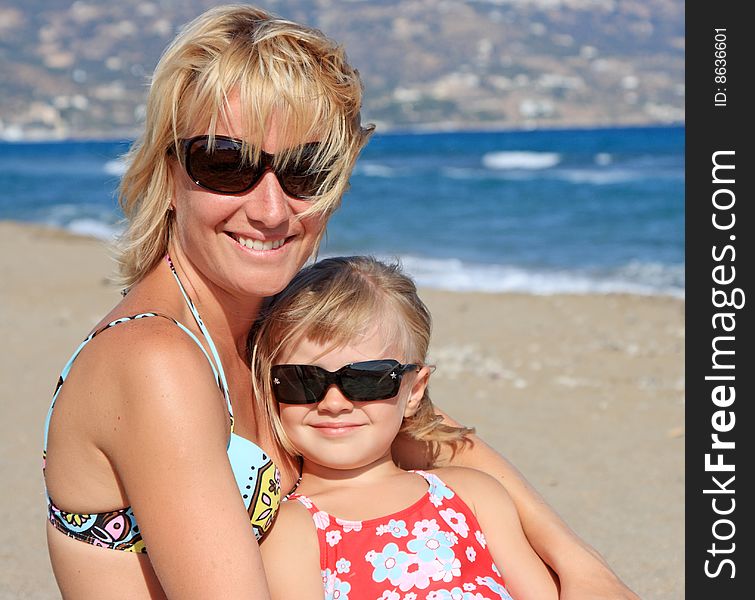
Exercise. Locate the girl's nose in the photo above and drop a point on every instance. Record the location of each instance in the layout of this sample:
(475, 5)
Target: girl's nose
(334, 401)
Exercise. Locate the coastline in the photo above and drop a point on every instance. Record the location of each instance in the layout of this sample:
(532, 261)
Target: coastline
(387, 129)
(583, 393)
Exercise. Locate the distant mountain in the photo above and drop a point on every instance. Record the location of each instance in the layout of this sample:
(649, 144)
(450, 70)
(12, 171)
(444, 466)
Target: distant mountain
(79, 69)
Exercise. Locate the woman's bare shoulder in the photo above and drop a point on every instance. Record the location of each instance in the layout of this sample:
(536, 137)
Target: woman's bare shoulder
(148, 368)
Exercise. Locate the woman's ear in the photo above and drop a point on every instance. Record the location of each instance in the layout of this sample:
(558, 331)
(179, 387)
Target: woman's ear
(419, 385)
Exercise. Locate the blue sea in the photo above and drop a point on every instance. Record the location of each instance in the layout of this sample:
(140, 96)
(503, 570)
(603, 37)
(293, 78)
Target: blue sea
(575, 211)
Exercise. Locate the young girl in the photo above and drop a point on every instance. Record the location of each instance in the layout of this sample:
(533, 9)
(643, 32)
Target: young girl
(339, 356)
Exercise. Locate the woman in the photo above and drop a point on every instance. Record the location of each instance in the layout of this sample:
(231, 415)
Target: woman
(252, 129)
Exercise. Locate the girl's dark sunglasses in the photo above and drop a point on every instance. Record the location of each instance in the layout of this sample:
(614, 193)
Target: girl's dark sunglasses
(368, 380)
(223, 168)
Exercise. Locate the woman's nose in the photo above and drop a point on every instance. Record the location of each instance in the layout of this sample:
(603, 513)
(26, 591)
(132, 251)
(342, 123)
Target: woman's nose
(267, 203)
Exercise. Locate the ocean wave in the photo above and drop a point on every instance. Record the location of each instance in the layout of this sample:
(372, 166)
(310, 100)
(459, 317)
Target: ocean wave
(520, 160)
(82, 219)
(116, 167)
(597, 176)
(93, 228)
(476, 174)
(600, 176)
(370, 169)
(647, 279)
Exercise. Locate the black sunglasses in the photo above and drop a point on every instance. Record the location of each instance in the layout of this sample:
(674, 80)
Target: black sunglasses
(368, 380)
(223, 167)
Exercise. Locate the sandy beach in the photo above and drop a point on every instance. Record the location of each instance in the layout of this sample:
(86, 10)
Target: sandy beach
(584, 393)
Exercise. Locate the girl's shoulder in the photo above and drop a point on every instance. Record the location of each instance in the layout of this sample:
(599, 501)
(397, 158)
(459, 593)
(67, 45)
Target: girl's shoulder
(293, 522)
(466, 476)
(474, 487)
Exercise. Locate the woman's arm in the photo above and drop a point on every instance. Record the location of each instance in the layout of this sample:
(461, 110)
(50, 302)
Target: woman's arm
(582, 572)
(292, 556)
(167, 438)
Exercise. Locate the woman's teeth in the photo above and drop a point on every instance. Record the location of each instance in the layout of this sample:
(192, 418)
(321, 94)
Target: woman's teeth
(260, 245)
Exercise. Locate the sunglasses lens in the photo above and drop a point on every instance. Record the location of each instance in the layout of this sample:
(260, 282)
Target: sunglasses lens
(223, 168)
(298, 384)
(306, 384)
(371, 380)
(302, 186)
(299, 179)
(220, 168)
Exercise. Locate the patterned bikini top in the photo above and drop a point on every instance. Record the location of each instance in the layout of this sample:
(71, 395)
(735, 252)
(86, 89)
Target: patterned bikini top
(256, 475)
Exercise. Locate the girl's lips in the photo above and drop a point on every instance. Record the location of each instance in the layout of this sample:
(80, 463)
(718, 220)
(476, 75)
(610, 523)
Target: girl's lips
(336, 429)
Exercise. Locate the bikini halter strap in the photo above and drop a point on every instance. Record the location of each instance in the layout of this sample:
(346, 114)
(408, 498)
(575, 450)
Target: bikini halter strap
(207, 337)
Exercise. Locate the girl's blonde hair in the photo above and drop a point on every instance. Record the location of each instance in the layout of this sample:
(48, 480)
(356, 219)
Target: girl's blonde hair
(333, 302)
(276, 67)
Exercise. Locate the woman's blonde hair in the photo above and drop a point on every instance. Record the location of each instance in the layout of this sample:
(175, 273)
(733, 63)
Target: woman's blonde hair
(333, 302)
(276, 67)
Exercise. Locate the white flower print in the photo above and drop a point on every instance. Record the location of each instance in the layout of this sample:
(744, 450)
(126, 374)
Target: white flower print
(448, 570)
(451, 537)
(456, 520)
(381, 529)
(471, 554)
(436, 501)
(438, 490)
(321, 519)
(417, 574)
(425, 528)
(494, 586)
(495, 569)
(305, 501)
(481, 538)
(390, 595)
(349, 525)
(332, 537)
(343, 565)
(410, 596)
(468, 587)
(370, 555)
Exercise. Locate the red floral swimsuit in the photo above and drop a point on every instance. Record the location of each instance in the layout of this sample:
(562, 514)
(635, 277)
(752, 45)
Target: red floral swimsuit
(432, 550)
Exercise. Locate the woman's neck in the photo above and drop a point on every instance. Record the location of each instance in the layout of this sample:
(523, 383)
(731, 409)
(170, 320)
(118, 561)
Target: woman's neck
(227, 316)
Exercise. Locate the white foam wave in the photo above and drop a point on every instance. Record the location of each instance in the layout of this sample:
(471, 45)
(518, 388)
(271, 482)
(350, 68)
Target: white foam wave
(369, 169)
(462, 173)
(460, 276)
(599, 176)
(116, 167)
(479, 174)
(93, 228)
(520, 160)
